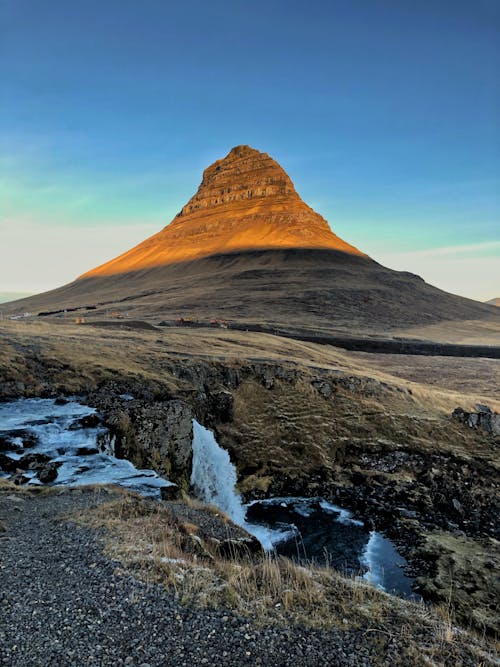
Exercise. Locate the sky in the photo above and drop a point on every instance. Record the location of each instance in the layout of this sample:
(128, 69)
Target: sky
(385, 113)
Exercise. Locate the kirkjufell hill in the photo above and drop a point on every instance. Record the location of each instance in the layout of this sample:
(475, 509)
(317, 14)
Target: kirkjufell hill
(245, 202)
(247, 248)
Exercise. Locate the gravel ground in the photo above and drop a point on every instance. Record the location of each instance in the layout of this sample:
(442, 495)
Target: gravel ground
(61, 603)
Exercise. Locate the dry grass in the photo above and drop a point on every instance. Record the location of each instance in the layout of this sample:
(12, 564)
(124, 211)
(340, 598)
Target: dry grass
(78, 357)
(145, 537)
(25, 490)
(291, 424)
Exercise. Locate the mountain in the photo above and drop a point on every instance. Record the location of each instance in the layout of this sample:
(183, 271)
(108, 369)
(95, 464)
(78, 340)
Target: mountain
(246, 247)
(494, 302)
(245, 202)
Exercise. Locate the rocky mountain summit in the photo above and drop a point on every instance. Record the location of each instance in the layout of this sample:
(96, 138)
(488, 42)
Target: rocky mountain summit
(245, 201)
(246, 248)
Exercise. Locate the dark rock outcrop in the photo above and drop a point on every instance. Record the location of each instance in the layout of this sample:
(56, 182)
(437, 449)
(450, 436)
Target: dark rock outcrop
(483, 419)
(151, 434)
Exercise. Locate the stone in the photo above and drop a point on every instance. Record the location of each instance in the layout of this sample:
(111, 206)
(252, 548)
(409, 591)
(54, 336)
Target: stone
(323, 387)
(239, 547)
(484, 418)
(151, 434)
(221, 406)
(19, 479)
(48, 473)
(7, 444)
(33, 461)
(88, 421)
(60, 400)
(457, 505)
(86, 451)
(7, 464)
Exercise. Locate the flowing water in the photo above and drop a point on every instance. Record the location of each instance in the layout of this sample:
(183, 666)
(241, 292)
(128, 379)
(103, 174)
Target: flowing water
(85, 455)
(213, 479)
(303, 529)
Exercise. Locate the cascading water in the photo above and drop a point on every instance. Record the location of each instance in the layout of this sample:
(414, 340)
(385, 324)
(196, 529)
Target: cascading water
(76, 449)
(308, 528)
(214, 478)
(302, 528)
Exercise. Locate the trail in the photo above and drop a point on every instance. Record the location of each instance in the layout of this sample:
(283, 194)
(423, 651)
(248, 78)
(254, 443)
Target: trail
(62, 602)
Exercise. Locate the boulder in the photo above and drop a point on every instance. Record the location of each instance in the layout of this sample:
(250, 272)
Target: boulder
(48, 473)
(88, 421)
(7, 464)
(484, 419)
(19, 479)
(33, 461)
(151, 434)
(238, 547)
(86, 451)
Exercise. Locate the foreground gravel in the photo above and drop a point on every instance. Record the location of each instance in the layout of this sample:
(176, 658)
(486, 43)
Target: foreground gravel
(62, 603)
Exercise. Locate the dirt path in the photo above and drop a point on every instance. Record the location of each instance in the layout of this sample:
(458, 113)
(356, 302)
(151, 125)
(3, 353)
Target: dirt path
(62, 603)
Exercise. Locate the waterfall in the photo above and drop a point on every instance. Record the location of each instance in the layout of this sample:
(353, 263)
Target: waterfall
(214, 478)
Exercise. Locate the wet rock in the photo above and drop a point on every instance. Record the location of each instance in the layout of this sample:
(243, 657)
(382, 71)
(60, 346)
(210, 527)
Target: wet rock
(8, 439)
(33, 461)
(48, 473)
(8, 444)
(60, 400)
(86, 451)
(18, 479)
(105, 441)
(7, 464)
(29, 439)
(87, 421)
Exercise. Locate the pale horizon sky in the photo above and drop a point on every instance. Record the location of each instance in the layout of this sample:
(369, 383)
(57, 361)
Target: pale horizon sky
(385, 114)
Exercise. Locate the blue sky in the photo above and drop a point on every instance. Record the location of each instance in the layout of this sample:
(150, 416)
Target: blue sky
(385, 113)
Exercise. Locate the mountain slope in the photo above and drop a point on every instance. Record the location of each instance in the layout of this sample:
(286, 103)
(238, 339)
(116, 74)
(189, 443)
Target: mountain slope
(246, 247)
(245, 202)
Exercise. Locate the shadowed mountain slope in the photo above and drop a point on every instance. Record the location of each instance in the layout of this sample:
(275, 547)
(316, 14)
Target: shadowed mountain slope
(247, 247)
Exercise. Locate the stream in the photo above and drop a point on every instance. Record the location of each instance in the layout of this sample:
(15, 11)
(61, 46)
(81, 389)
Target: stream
(65, 444)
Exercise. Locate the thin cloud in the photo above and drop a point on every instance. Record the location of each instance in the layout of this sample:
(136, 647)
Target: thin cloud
(471, 249)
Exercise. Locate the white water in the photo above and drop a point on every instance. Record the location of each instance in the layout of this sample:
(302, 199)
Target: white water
(213, 476)
(50, 423)
(213, 479)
